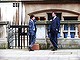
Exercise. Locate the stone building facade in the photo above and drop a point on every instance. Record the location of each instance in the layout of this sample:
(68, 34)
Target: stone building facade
(67, 11)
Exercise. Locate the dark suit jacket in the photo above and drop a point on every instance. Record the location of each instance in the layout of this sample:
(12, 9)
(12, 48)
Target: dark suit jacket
(35, 25)
(55, 25)
(32, 27)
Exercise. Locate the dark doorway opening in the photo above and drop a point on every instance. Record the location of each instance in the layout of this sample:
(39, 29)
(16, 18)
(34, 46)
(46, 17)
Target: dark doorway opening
(49, 15)
(70, 18)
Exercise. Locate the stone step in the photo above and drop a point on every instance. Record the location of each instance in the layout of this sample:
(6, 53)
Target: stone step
(16, 54)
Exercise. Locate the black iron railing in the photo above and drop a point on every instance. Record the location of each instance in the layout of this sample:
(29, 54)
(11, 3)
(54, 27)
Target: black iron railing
(17, 36)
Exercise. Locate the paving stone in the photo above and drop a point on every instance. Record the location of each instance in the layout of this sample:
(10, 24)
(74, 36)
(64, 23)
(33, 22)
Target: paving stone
(16, 54)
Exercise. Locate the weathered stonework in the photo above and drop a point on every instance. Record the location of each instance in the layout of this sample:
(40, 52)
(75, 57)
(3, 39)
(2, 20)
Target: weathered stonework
(40, 9)
(66, 9)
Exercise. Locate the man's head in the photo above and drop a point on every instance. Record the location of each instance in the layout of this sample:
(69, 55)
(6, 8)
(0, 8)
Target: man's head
(53, 14)
(32, 17)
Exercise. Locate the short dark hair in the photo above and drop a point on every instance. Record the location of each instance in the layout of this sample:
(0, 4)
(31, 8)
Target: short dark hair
(53, 12)
(31, 16)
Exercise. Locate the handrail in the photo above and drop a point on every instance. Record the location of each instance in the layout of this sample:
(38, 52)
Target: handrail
(61, 22)
(4, 22)
(17, 38)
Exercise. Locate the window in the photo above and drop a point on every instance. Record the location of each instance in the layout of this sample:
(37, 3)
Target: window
(42, 18)
(66, 27)
(58, 36)
(72, 30)
(49, 15)
(72, 34)
(65, 34)
(72, 27)
(37, 18)
(70, 18)
(15, 4)
(69, 28)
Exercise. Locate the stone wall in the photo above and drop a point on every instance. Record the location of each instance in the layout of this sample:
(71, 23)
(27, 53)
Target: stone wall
(41, 8)
(65, 9)
(62, 44)
(3, 43)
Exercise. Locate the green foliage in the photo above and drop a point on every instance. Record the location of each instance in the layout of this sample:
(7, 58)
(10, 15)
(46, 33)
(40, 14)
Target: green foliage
(43, 46)
(3, 45)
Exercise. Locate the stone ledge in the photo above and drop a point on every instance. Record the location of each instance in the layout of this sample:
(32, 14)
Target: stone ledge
(66, 43)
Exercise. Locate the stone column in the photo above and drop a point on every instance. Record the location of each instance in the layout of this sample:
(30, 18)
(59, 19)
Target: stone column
(68, 32)
(23, 13)
(79, 18)
(20, 13)
(17, 16)
(79, 26)
(76, 31)
(79, 30)
(61, 31)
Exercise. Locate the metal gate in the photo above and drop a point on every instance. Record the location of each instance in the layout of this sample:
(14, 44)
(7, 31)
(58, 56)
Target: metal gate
(17, 36)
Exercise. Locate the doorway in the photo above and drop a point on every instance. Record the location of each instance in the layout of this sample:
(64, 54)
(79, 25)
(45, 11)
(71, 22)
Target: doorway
(49, 15)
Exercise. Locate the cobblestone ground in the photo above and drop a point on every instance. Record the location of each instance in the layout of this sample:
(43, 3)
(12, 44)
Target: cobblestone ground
(16, 54)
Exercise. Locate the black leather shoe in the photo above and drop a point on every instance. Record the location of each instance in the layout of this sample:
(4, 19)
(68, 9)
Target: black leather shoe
(53, 50)
(29, 48)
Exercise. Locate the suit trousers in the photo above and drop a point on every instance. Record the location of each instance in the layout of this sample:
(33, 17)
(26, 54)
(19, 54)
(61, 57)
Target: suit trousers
(54, 40)
(32, 40)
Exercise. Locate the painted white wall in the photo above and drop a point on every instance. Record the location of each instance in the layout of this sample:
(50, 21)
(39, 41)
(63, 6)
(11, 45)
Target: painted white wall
(7, 11)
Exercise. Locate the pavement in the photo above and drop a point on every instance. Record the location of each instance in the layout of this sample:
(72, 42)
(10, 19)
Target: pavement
(18, 54)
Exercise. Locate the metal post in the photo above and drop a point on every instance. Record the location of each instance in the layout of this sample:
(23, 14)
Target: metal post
(24, 35)
(27, 37)
(15, 38)
(21, 37)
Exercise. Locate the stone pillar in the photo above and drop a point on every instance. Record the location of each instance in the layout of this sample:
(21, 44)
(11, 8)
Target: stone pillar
(4, 33)
(0, 13)
(68, 32)
(79, 18)
(20, 13)
(17, 17)
(79, 26)
(23, 13)
(76, 31)
(61, 31)
(79, 30)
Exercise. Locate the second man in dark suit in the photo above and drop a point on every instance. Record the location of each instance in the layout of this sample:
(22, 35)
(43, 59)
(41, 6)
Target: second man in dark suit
(54, 29)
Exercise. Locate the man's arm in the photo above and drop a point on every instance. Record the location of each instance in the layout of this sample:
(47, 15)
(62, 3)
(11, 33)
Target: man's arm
(58, 24)
(31, 27)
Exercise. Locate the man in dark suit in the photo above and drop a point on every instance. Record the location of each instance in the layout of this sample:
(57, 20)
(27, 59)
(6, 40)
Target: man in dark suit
(54, 29)
(32, 32)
